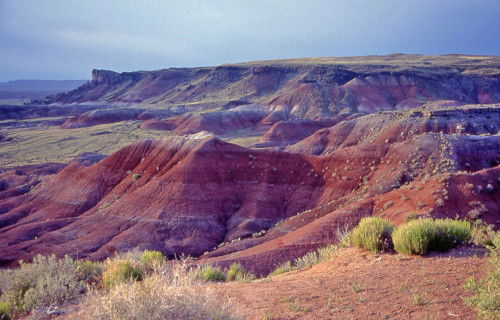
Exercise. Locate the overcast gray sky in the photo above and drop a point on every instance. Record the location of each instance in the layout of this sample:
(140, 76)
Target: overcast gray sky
(61, 39)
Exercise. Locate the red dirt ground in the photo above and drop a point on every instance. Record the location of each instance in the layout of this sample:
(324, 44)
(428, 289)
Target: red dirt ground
(359, 285)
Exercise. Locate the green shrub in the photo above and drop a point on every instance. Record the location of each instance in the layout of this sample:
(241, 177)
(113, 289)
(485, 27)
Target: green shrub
(4, 311)
(119, 271)
(88, 271)
(152, 259)
(283, 268)
(486, 291)
(236, 271)
(210, 273)
(414, 237)
(450, 233)
(420, 236)
(45, 281)
(373, 233)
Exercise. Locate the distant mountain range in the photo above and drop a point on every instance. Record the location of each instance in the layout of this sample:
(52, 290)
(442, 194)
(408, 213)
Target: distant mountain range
(36, 89)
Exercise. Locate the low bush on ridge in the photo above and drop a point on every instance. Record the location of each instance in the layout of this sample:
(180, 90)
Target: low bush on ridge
(450, 233)
(414, 237)
(420, 236)
(373, 233)
(89, 271)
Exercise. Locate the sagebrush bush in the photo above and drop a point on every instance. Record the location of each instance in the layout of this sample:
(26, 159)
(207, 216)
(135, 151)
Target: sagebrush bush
(119, 271)
(89, 271)
(420, 236)
(414, 237)
(166, 295)
(450, 233)
(283, 268)
(210, 273)
(152, 259)
(486, 291)
(4, 311)
(373, 233)
(45, 281)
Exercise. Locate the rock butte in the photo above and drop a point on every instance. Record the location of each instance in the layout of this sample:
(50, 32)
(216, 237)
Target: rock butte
(332, 156)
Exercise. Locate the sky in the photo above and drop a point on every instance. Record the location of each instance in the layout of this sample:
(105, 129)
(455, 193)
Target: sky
(62, 39)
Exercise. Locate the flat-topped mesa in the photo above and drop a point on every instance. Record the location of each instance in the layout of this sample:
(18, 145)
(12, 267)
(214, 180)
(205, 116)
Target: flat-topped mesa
(305, 88)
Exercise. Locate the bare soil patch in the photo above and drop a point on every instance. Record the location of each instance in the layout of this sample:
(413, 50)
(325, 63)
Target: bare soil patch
(359, 285)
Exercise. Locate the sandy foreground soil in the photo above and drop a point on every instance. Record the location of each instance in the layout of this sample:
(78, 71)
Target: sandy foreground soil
(359, 285)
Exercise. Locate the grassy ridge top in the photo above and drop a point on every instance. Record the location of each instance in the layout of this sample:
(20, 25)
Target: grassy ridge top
(468, 64)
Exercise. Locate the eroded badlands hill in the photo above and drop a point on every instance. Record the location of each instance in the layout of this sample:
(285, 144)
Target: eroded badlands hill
(225, 203)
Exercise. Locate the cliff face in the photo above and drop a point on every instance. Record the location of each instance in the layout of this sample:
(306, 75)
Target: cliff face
(310, 88)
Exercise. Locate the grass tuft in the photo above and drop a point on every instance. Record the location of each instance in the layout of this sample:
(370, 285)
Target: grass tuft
(237, 273)
(210, 273)
(283, 268)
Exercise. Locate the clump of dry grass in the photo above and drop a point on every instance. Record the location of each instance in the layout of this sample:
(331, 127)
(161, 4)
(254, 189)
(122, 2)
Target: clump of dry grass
(164, 294)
